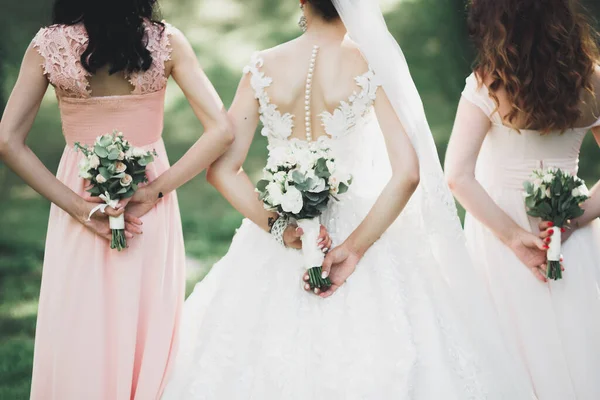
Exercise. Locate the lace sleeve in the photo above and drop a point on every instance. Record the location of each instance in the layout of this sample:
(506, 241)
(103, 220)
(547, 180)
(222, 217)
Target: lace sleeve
(478, 95)
(61, 49)
(258, 80)
(159, 45)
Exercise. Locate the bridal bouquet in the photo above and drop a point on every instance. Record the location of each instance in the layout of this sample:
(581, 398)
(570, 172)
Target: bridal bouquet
(115, 169)
(298, 182)
(555, 196)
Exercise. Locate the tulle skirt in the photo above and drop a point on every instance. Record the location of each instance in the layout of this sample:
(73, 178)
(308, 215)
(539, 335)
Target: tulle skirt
(250, 331)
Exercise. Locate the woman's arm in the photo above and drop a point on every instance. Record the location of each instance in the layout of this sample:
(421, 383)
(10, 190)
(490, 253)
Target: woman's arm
(341, 262)
(401, 186)
(470, 128)
(228, 176)
(209, 109)
(19, 115)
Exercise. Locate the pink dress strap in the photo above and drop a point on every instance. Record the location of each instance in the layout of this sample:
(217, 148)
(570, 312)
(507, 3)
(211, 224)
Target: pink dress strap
(159, 45)
(478, 94)
(61, 48)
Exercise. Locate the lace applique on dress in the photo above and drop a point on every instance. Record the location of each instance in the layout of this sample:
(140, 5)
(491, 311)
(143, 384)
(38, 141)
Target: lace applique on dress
(159, 45)
(349, 114)
(61, 47)
(274, 123)
(342, 122)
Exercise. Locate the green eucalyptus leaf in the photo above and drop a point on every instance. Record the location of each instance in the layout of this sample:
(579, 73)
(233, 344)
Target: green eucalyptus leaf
(100, 151)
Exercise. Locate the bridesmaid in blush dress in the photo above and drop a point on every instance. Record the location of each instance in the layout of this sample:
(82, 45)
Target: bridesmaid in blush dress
(530, 102)
(108, 321)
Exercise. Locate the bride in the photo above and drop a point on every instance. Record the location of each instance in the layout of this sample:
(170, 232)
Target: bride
(388, 327)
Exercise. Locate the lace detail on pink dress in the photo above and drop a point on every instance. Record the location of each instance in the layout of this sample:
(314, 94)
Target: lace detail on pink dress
(62, 46)
(159, 45)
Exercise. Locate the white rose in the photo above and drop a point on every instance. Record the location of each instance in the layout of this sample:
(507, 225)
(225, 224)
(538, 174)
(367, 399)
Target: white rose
(583, 190)
(275, 193)
(100, 179)
(548, 178)
(537, 183)
(126, 180)
(138, 152)
(129, 154)
(121, 156)
(120, 167)
(84, 167)
(292, 201)
(94, 161)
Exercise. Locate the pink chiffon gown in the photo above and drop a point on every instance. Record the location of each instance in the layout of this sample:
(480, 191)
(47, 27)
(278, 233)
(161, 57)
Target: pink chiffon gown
(107, 321)
(554, 327)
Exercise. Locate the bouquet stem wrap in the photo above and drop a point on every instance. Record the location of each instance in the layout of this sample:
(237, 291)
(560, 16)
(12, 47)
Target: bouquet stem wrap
(554, 269)
(117, 225)
(313, 256)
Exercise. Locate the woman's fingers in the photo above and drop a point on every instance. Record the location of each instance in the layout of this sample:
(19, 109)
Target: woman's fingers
(545, 225)
(539, 275)
(132, 219)
(547, 234)
(131, 228)
(94, 199)
(329, 292)
(111, 212)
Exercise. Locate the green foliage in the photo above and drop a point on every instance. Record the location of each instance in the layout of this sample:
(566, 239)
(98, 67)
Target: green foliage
(554, 195)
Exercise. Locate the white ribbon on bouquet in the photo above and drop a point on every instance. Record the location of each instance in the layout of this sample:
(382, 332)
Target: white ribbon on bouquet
(313, 256)
(116, 223)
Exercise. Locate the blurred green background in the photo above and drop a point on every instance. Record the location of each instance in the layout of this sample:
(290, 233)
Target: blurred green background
(224, 34)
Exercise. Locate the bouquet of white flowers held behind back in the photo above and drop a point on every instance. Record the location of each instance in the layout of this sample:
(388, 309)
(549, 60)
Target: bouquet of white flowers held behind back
(115, 169)
(555, 196)
(298, 182)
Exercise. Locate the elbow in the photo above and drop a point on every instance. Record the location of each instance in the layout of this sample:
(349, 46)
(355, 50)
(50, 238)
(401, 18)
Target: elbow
(212, 175)
(408, 179)
(225, 132)
(218, 173)
(455, 180)
(413, 179)
(5, 145)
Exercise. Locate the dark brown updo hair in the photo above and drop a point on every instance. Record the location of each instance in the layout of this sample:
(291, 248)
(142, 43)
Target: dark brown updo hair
(541, 52)
(325, 9)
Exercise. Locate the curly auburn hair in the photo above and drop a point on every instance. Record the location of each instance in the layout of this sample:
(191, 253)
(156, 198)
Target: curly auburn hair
(541, 52)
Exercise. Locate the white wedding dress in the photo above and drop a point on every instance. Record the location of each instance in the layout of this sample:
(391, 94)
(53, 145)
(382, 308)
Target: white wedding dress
(250, 331)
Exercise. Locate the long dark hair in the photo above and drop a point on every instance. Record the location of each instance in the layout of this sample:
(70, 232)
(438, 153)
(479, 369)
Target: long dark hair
(325, 9)
(116, 31)
(542, 53)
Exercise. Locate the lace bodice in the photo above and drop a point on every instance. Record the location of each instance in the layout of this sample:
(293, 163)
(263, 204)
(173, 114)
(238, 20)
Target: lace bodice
(61, 46)
(346, 119)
